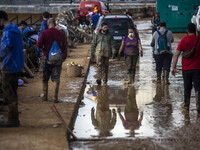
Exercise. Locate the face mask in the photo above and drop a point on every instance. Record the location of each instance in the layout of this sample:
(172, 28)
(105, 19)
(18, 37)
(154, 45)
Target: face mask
(131, 34)
(1, 27)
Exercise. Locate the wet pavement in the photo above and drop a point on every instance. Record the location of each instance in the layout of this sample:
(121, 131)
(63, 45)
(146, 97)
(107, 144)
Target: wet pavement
(141, 111)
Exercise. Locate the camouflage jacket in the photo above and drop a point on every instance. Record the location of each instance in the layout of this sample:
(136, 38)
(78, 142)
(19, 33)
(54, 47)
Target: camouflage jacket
(103, 45)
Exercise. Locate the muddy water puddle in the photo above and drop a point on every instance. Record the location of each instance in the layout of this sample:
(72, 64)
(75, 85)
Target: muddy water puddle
(143, 110)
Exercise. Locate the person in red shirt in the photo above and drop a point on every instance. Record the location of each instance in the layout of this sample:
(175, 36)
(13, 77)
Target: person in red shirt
(190, 66)
(45, 42)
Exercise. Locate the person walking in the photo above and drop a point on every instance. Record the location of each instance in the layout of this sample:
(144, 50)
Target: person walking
(132, 46)
(103, 45)
(46, 41)
(12, 62)
(43, 27)
(161, 41)
(155, 22)
(190, 66)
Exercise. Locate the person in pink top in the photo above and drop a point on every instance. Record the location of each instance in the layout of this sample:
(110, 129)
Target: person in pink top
(190, 66)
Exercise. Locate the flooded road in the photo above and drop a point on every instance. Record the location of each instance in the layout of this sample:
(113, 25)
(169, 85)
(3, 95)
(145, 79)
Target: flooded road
(140, 111)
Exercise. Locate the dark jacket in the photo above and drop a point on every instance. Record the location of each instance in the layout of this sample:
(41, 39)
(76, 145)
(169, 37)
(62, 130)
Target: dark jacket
(103, 45)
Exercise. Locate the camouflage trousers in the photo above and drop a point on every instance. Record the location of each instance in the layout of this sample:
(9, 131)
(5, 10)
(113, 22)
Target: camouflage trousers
(9, 84)
(131, 61)
(49, 70)
(102, 68)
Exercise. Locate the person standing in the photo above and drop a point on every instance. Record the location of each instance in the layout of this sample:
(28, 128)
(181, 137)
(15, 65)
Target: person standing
(103, 45)
(45, 42)
(132, 46)
(161, 41)
(43, 27)
(94, 20)
(155, 22)
(190, 66)
(12, 62)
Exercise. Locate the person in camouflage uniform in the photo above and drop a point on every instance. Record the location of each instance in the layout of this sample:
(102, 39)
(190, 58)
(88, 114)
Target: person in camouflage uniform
(103, 45)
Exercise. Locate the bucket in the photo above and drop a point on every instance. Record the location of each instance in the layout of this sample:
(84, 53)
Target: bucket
(74, 70)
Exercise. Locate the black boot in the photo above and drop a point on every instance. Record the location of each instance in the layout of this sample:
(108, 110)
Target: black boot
(13, 117)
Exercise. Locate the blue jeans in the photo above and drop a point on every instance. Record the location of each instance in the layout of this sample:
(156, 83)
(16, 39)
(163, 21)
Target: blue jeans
(163, 62)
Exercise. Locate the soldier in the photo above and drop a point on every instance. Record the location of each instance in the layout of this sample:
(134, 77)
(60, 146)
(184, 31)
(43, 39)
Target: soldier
(103, 45)
(12, 62)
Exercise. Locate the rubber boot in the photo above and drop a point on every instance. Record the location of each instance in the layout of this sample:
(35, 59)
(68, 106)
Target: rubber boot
(130, 78)
(45, 92)
(56, 89)
(13, 117)
(166, 79)
(197, 101)
(158, 77)
(163, 74)
(105, 78)
(133, 76)
(186, 104)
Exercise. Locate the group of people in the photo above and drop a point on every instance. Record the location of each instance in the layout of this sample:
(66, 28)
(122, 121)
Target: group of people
(12, 61)
(103, 45)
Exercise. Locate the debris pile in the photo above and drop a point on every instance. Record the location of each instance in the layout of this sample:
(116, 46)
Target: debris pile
(67, 22)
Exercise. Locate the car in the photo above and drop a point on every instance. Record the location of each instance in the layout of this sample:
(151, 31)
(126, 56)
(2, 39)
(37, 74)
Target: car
(118, 26)
(196, 18)
(84, 6)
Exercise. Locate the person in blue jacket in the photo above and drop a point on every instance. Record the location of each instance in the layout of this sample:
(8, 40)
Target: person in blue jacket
(43, 27)
(27, 32)
(12, 62)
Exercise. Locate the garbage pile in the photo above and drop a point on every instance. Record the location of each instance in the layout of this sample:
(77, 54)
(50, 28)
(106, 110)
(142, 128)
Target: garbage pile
(66, 21)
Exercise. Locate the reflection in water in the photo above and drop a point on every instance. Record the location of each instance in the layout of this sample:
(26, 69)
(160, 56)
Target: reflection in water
(162, 108)
(105, 120)
(131, 113)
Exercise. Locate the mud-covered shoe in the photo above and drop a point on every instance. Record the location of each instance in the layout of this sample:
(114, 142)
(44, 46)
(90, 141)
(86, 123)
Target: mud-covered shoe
(185, 107)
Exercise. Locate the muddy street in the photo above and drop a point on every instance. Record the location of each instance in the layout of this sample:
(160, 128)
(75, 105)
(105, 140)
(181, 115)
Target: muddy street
(147, 115)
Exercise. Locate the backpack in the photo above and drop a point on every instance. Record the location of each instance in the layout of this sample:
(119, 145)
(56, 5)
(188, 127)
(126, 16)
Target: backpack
(163, 47)
(55, 55)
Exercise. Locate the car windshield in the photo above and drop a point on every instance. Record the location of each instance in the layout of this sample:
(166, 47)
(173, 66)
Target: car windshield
(118, 23)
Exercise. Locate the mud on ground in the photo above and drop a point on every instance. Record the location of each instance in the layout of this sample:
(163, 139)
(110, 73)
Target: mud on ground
(40, 128)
